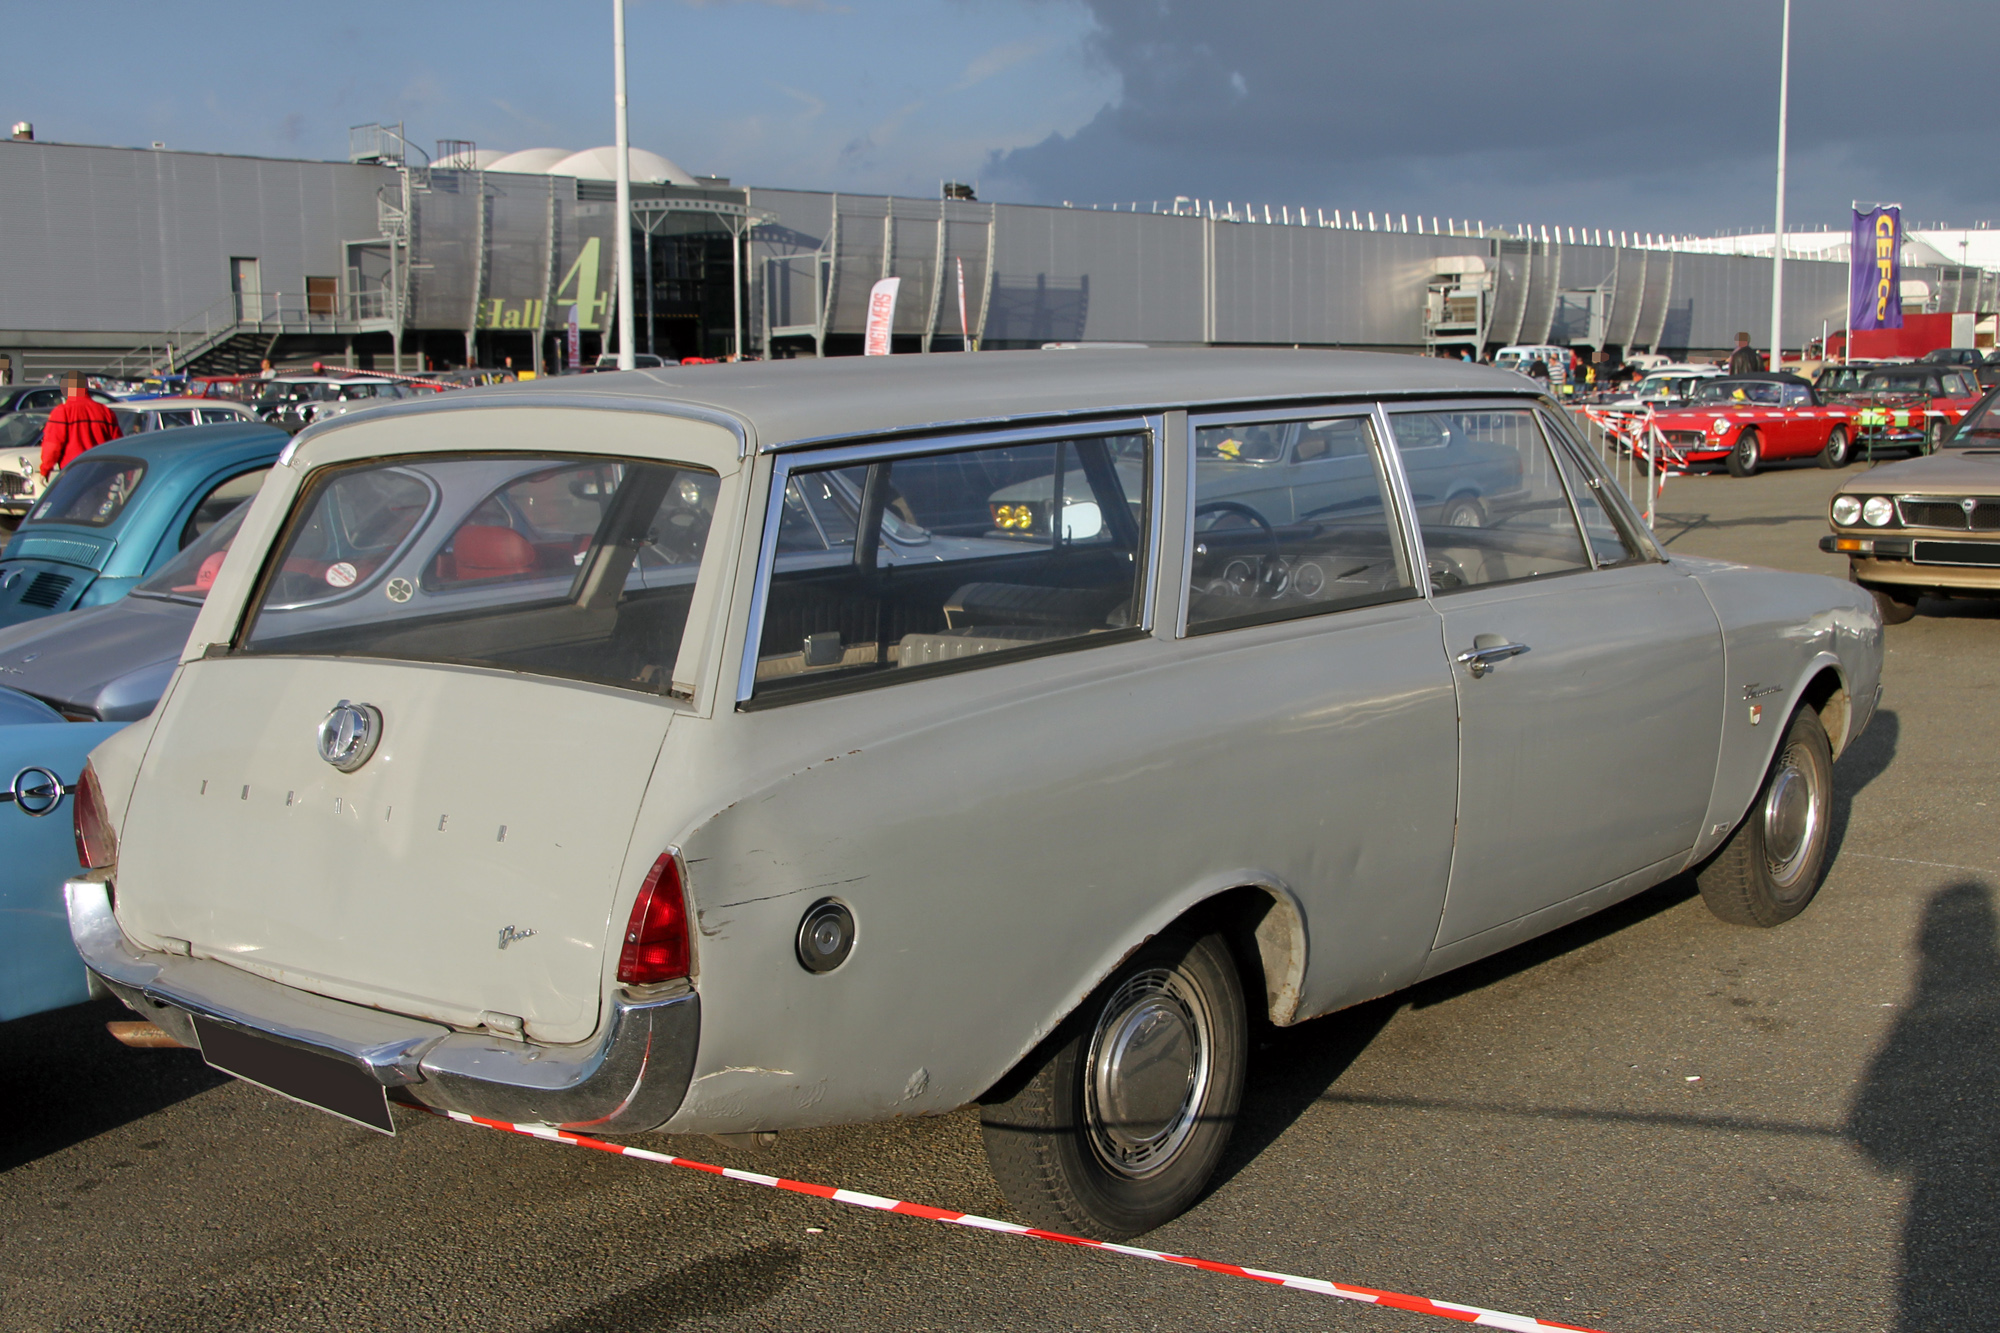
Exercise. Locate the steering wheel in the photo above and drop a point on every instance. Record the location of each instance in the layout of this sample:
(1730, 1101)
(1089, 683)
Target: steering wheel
(1271, 576)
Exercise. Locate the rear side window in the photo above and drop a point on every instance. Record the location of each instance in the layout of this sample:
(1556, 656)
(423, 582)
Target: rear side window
(887, 569)
(92, 491)
(581, 568)
(220, 501)
(1291, 518)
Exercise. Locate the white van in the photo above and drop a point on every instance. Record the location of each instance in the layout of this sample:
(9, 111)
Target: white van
(1518, 359)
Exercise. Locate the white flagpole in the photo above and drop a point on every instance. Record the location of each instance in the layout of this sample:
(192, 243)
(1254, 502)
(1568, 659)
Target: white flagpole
(1778, 236)
(623, 222)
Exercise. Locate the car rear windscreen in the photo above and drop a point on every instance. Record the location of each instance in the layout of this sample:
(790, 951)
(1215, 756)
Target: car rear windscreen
(569, 566)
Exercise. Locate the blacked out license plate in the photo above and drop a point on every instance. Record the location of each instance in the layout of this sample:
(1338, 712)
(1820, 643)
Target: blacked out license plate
(319, 1081)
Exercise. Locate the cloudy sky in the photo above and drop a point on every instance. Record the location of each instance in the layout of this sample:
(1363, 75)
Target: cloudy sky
(1657, 116)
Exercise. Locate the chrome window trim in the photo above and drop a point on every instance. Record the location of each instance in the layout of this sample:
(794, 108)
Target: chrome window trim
(784, 464)
(1060, 419)
(1392, 473)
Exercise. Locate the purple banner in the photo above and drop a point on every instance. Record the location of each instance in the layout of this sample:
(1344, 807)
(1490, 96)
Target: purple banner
(1875, 275)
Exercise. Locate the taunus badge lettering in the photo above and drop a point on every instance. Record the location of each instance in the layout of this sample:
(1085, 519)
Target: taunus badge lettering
(509, 935)
(349, 735)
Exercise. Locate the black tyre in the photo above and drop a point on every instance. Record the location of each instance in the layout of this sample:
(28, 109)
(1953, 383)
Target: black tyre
(1114, 1125)
(1933, 437)
(1464, 511)
(1896, 605)
(1837, 450)
(1748, 453)
(1773, 863)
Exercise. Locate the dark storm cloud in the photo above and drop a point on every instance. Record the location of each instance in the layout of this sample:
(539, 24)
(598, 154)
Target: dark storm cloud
(1657, 116)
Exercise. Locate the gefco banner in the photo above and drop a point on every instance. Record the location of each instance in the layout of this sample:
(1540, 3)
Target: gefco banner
(1875, 277)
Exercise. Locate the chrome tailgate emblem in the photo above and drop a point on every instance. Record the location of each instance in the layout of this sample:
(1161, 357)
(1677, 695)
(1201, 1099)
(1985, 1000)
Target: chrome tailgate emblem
(349, 735)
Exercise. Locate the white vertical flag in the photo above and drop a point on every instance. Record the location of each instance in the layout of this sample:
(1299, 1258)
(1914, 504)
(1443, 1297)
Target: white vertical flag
(881, 317)
(964, 330)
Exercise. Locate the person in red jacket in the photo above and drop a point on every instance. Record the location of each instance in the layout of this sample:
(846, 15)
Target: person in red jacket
(78, 423)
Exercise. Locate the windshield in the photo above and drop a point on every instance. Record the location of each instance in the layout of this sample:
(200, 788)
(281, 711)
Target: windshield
(92, 491)
(22, 430)
(1840, 379)
(1981, 426)
(1507, 360)
(1765, 392)
(1888, 381)
(188, 576)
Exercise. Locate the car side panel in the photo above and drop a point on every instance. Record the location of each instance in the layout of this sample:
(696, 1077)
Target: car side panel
(1005, 836)
(1779, 630)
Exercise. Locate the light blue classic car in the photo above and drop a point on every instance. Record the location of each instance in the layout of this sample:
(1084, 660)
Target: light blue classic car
(41, 757)
(124, 509)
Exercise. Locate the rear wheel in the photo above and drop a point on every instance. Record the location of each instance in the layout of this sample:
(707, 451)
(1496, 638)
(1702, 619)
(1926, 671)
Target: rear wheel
(1747, 454)
(1464, 511)
(1933, 437)
(1114, 1125)
(1835, 453)
(1773, 864)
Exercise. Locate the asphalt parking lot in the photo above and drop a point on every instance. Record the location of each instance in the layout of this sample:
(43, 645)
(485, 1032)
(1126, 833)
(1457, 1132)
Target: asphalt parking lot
(1648, 1121)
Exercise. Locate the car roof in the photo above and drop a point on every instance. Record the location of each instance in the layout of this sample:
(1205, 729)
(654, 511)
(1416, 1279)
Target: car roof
(779, 404)
(160, 448)
(175, 404)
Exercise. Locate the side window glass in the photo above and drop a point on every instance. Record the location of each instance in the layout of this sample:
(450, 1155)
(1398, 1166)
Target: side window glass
(1290, 519)
(1610, 522)
(1489, 498)
(216, 505)
(910, 563)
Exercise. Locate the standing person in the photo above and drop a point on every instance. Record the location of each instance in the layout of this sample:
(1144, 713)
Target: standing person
(1538, 371)
(78, 423)
(264, 370)
(1744, 360)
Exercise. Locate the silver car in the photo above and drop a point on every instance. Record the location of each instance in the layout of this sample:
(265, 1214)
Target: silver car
(769, 746)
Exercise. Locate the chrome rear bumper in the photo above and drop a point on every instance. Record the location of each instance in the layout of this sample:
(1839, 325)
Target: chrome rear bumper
(632, 1078)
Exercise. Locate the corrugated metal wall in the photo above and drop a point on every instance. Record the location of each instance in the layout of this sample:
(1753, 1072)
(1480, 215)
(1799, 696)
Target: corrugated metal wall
(100, 243)
(114, 239)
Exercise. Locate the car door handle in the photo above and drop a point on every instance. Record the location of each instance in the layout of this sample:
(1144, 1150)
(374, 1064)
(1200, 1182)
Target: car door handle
(1487, 650)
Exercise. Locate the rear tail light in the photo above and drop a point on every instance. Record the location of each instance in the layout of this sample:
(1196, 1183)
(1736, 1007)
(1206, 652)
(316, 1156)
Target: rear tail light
(656, 938)
(96, 844)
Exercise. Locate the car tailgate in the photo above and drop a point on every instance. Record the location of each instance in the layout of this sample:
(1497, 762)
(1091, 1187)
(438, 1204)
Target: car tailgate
(469, 867)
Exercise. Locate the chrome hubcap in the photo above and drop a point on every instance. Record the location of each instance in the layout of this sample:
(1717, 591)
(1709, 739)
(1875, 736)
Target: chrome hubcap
(1793, 810)
(1149, 1070)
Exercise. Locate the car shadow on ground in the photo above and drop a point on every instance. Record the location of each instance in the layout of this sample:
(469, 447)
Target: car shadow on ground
(1293, 1068)
(1926, 1113)
(1860, 764)
(1683, 524)
(67, 1080)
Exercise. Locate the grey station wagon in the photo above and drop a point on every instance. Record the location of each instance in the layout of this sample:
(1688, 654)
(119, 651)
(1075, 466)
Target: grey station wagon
(769, 746)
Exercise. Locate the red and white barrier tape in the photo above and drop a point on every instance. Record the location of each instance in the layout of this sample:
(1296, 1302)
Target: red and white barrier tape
(1465, 1314)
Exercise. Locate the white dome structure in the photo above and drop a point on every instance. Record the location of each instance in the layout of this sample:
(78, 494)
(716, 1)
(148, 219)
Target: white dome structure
(601, 164)
(479, 159)
(529, 161)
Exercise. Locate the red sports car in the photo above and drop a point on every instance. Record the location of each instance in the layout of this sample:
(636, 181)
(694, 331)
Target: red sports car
(1746, 421)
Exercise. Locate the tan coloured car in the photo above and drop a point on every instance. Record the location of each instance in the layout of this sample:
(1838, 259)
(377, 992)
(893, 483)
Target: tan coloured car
(1928, 526)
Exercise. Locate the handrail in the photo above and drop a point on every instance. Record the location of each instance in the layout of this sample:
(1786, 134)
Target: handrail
(252, 312)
